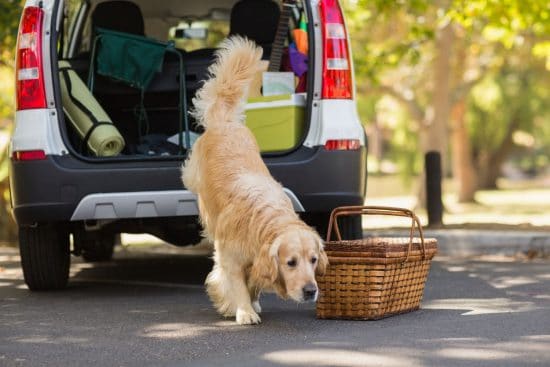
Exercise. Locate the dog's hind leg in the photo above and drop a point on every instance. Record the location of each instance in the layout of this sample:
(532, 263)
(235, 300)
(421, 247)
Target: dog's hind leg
(217, 288)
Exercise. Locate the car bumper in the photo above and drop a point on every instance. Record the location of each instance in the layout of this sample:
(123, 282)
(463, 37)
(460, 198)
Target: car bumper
(62, 188)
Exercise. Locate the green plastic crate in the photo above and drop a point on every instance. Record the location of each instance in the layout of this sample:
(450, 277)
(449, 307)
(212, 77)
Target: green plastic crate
(277, 122)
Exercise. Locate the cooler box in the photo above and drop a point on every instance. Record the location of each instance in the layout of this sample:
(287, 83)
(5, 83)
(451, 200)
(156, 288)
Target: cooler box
(277, 122)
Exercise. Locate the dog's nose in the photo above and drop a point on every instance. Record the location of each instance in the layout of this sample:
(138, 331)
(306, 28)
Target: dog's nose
(310, 291)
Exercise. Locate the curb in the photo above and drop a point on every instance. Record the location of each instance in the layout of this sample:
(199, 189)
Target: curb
(465, 242)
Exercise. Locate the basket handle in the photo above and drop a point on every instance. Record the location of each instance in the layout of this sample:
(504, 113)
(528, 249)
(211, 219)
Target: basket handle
(376, 210)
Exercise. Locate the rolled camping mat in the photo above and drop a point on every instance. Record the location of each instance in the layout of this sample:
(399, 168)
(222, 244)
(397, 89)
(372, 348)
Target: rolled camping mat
(87, 116)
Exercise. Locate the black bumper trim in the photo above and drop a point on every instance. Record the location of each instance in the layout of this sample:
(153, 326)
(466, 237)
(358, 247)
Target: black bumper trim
(49, 190)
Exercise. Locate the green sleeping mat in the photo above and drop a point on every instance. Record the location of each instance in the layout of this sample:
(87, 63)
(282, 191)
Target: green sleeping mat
(87, 116)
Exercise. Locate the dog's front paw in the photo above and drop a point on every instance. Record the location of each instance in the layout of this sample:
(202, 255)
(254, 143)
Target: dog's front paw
(249, 317)
(256, 306)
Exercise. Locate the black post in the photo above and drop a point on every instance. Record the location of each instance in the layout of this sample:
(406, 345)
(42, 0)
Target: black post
(434, 203)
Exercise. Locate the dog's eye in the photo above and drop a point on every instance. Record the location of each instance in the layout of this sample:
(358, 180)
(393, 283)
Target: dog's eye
(291, 263)
(313, 260)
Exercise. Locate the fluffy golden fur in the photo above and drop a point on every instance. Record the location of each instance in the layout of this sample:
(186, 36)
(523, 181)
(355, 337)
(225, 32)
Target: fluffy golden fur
(260, 242)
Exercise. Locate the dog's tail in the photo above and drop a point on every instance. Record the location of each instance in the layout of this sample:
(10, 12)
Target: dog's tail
(221, 98)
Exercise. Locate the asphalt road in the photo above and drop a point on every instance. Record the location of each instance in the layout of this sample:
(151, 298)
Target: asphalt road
(148, 308)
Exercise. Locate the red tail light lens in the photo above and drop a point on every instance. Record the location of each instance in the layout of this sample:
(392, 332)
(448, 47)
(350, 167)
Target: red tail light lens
(337, 80)
(343, 144)
(29, 155)
(29, 75)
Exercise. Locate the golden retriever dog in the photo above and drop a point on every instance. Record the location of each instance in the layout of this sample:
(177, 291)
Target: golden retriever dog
(260, 243)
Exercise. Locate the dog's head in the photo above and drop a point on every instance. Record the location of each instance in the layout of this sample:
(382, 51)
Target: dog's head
(294, 257)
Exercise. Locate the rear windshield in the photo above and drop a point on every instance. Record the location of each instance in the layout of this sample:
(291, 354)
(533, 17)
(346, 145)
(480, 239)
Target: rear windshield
(189, 32)
(195, 35)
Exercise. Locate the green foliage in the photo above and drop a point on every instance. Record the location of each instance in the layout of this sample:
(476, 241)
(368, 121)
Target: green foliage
(404, 151)
(10, 11)
(387, 34)
(6, 95)
(504, 19)
(403, 144)
(391, 34)
(511, 96)
(501, 45)
(7, 225)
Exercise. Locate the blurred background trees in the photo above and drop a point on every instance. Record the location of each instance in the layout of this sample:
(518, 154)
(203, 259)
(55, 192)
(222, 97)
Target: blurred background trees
(9, 21)
(466, 78)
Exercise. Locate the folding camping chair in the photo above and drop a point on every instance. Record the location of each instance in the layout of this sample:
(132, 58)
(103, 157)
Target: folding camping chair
(134, 60)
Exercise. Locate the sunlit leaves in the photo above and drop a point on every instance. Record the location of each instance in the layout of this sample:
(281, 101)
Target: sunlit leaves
(542, 50)
(487, 95)
(506, 21)
(496, 42)
(9, 21)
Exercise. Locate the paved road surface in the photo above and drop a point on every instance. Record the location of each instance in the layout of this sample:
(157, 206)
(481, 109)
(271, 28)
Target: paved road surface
(148, 308)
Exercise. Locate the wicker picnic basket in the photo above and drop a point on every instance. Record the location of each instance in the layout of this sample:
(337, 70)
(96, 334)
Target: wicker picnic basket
(373, 278)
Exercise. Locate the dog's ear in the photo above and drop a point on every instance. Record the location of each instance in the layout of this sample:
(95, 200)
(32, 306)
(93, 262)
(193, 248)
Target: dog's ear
(322, 262)
(265, 269)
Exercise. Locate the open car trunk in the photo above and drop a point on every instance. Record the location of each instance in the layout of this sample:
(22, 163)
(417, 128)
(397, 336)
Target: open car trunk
(127, 94)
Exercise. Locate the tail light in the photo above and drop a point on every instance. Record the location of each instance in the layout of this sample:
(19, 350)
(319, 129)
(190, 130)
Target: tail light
(343, 144)
(29, 155)
(29, 73)
(337, 80)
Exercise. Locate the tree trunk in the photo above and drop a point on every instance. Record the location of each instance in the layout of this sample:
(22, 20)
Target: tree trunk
(433, 135)
(375, 142)
(436, 131)
(463, 168)
(462, 155)
(490, 163)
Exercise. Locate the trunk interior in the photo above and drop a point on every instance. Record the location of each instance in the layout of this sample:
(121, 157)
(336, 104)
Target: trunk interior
(123, 93)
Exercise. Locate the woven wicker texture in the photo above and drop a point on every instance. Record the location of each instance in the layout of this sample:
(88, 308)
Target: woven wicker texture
(373, 278)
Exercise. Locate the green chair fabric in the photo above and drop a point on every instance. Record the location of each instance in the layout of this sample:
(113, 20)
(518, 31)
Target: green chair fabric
(129, 58)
